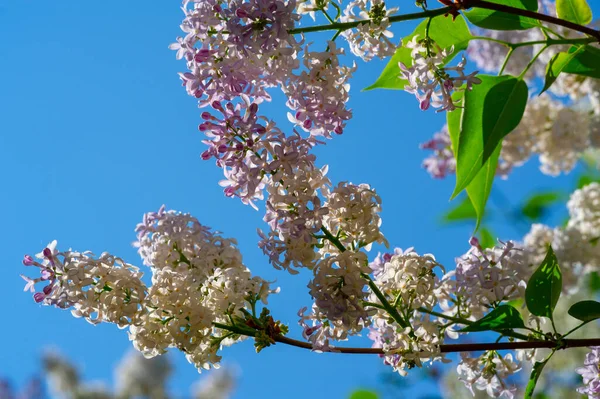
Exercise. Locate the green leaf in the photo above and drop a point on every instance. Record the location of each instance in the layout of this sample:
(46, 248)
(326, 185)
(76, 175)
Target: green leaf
(536, 372)
(480, 187)
(537, 205)
(557, 64)
(544, 287)
(486, 238)
(363, 394)
(491, 111)
(584, 180)
(585, 63)
(594, 282)
(462, 212)
(585, 310)
(577, 11)
(498, 20)
(504, 317)
(443, 31)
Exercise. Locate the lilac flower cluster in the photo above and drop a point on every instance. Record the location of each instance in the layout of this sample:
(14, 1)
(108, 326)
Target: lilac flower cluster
(429, 80)
(573, 244)
(198, 278)
(369, 39)
(591, 374)
(557, 133)
(409, 282)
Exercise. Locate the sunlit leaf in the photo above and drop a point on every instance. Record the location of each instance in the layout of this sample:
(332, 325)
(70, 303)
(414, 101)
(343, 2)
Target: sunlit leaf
(498, 20)
(501, 318)
(445, 32)
(577, 11)
(544, 287)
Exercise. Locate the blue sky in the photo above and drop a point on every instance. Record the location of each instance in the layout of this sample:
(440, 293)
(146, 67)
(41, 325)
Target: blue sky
(96, 130)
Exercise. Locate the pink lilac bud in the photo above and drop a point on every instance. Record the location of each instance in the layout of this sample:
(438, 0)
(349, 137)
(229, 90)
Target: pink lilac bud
(28, 261)
(48, 254)
(474, 241)
(39, 297)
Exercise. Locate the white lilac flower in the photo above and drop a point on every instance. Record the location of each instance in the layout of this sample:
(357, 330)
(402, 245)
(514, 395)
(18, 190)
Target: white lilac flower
(429, 80)
(353, 215)
(489, 373)
(176, 241)
(339, 290)
(558, 134)
(102, 289)
(591, 374)
(198, 279)
(584, 211)
(136, 376)
(369, 39)
(409, 282)
(217, 385)
(294, 211)
(561, 146)
(576, 255)
(319, 331)
(318, 95)
(62, 376)
(484, 278)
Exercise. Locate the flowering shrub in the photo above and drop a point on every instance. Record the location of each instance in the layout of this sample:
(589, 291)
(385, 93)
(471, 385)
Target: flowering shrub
(203, 298)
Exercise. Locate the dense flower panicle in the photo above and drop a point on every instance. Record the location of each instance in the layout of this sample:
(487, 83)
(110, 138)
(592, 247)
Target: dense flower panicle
(584, 211)
(489, 372)
(240, 140)
(236, 47)
(102, 289)
(339, 290)
(484, 278)
(198, 278)
(408, 278)
(431, 82)
(353, 215)
(369, 39)
(175, 315)
(318, 95)
(591, 374)
(558, 134)
(319, 331)
(294, 212)
(569, 126)
(408, 281)
(442, 162)
(178, 242)
(574, 245)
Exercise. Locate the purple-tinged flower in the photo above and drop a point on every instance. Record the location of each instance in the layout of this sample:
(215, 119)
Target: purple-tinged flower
(429, 80)
(442, 162)
(591, 374)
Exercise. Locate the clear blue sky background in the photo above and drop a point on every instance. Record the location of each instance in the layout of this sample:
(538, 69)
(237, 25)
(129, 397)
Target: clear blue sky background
(95, 130)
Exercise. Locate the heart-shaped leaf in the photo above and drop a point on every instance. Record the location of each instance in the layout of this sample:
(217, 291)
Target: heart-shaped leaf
(544, 287)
